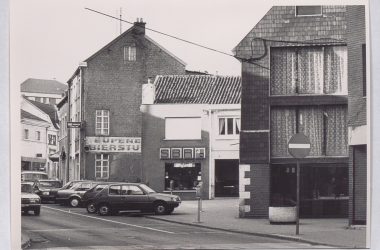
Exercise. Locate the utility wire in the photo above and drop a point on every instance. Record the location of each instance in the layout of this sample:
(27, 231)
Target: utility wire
(180, 39)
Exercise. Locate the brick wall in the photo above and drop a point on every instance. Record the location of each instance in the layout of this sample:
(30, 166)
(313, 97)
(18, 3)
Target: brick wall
(111, 83)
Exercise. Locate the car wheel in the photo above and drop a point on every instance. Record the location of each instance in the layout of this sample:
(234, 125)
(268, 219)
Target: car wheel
(170, 210)
(160, 208)
(37, 211)
(74, 202)
(91, 208)
(104, 209)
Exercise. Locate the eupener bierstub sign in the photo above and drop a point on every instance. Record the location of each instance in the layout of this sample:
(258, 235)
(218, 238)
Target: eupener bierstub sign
(114, 144)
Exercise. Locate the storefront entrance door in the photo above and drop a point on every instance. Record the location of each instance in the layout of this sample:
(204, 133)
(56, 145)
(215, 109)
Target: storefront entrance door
(226, 178)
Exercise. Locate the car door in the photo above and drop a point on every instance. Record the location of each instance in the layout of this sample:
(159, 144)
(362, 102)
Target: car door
(114, 198)
(136, 198)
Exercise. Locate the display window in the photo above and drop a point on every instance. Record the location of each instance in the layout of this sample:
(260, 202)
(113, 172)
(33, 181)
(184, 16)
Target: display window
(184, 176)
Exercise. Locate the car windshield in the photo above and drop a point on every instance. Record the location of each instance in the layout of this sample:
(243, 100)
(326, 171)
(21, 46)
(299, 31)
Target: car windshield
(50, 184)
(147, 189)
(27, 188)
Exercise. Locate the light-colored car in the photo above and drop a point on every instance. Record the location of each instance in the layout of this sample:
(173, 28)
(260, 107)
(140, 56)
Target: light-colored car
(29, 200)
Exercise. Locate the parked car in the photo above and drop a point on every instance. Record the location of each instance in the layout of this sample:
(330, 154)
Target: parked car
(88, 196)
(46, 189)
(29, 200)
(33, 175)
(68, 185)
(133, 196)
(73, 195)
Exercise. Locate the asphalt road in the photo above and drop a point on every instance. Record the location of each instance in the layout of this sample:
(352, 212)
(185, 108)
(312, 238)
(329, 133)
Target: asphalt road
(68, 228)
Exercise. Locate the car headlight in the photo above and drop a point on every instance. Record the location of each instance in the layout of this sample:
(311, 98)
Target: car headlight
(34, 200)
(45, 193)
(176, 198)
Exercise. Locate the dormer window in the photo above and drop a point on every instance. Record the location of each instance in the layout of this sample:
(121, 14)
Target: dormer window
(129, 53)
(312, 10)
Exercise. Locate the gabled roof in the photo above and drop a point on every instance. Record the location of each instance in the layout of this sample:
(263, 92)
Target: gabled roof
(198, 89)
(43, 86)
(26, 115)
(145, 36)
(49, 110)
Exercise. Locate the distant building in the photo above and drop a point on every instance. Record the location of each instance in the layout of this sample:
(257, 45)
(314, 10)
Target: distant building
(104, 95)
(191, 126)
(294, 79)
(39, 137)
(62, 112)
(42, 90)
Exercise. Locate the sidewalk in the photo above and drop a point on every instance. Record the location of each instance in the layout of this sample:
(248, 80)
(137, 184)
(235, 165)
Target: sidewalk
(223, 214)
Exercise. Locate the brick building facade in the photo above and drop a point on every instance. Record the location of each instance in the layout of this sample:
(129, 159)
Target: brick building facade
(294, 79)
(105, 97)
(357, 119)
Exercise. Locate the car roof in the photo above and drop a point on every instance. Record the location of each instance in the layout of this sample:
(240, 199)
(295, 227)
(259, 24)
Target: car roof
(33, 172)
(28, 182)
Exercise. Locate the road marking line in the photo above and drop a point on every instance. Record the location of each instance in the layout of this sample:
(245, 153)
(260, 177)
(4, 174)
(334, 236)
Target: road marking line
(117, 222)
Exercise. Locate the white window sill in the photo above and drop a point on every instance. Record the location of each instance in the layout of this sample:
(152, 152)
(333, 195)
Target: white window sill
(195, 139)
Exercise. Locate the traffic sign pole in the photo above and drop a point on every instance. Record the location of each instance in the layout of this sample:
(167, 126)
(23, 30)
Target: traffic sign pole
(299, 147)
(298, 200)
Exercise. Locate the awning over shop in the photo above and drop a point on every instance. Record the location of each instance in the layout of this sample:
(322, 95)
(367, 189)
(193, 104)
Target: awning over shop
(32, 159)
(54, 157)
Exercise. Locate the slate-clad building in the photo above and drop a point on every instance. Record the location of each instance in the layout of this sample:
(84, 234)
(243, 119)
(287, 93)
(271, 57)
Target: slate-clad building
(191, 126)
(357, 110)
(105, 97)
(294, 79)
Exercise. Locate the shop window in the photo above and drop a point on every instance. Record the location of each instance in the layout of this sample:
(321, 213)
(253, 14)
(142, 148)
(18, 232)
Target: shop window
(129, 53)
(311, 10)
(229, 126)
(102, 166)
(183, 128)
(185, 176)
(309, 70)
(326, 128)
(102, 122)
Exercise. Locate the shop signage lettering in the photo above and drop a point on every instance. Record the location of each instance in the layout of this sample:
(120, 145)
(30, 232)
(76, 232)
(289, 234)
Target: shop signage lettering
(113, 144)
(182, 153)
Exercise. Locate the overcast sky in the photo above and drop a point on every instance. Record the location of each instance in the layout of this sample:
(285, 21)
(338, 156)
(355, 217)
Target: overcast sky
(50, 37)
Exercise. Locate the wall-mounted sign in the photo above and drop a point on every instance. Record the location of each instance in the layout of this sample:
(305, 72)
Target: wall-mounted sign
(74, 124)
(113, 144)
(182, 153)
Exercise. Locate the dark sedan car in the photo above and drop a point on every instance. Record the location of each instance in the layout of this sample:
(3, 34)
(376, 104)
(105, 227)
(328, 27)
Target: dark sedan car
(131, 197)
(88, 196)
(46, 189)
(73, 195)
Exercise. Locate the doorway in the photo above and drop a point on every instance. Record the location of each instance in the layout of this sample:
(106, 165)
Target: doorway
(226, 178)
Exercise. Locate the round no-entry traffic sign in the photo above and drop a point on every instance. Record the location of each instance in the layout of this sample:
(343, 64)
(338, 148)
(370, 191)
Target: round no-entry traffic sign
(299, 146)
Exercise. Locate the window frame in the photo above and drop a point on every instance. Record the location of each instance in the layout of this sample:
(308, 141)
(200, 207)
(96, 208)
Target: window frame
(38, 135)
(235, 126)
(310, 15)
(297, 70)
(102, 116)
(26, 134)
(102, 170)
(129, 53)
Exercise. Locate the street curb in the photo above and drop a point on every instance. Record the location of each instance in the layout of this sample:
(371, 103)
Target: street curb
(274, 236)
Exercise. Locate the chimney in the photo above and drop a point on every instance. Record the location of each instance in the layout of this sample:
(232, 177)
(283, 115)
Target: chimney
(148, 93)
(139, 27)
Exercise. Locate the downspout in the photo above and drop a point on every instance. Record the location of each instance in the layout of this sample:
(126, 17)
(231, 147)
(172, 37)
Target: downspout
(82, 131)
(211, 173)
